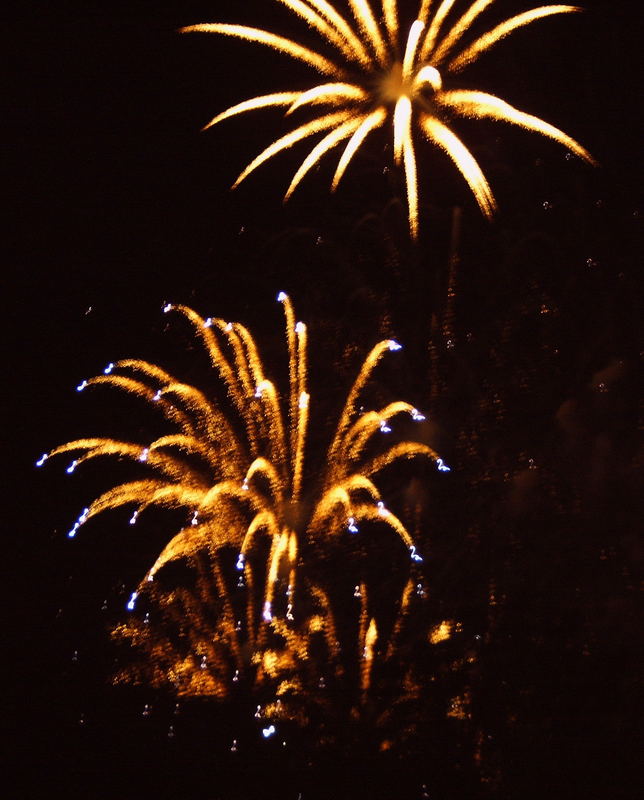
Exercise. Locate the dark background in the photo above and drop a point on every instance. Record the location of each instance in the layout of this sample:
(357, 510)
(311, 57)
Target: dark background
(116, 203)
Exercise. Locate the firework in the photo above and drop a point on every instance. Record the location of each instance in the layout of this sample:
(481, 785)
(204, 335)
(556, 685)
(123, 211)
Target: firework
(383, 72)
(236, 468)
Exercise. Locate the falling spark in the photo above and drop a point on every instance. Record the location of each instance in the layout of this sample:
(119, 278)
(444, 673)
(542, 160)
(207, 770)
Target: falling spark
(389, 72)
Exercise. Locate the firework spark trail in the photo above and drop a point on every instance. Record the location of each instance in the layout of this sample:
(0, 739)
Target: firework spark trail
(385, 72)
(237, 470)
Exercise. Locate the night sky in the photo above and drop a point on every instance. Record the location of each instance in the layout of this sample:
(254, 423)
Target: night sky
(525, 352)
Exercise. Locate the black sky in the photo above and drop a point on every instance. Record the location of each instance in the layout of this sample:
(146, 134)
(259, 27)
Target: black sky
(116, 203)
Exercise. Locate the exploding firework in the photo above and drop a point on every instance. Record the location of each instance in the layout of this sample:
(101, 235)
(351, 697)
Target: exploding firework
(236, 469)
(383, 72)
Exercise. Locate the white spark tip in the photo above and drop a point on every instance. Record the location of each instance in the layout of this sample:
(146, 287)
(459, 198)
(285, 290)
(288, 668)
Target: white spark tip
(304, 400)
(416, 415)
(381, 509)
(71, 467)
(393, 345)
(144, 454)
(167, 307)
(384, 428)
(229, 327)
(157, 396)
(132, 601)
(134, 518)
(282, 297)
(300, 327)
(240, 561)
(414, 554)
(81, 386)
(267, 614)
(442, 466)
(207, 322)
(266, 732)
(351, 525)
(195, 518)
(42, 459)
(108, 369)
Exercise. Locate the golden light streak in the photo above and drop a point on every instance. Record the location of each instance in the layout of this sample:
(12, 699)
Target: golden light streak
(402, 125)
(341, 132)
(328, 31)
(293, 49)
(244, 481)
(333, 93)
(401, 75)
(369, 27)
(343, 27)
(464, 160)
(480, 105)
(410, 49)
(409, 158)
(432, 31)
(317, 125)
(372, 122)
(266, 101)
(459, 29)
(390, 15)
(486, 41)
(424, 10)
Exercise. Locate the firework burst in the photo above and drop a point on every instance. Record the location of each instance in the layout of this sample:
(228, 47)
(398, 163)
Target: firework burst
(237, 471)
(382, 72)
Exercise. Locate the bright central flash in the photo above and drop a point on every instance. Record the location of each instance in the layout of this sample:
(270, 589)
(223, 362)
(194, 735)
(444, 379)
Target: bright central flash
(381, 72)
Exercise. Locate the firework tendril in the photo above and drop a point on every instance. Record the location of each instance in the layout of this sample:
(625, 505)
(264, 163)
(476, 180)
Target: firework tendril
(381, 71)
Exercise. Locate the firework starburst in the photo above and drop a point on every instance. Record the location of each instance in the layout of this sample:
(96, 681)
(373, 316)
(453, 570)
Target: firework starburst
(382, 72)
(236, 468)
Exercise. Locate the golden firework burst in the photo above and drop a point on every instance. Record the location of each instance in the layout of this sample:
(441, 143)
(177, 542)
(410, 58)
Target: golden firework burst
(383, 72)
(236, 469)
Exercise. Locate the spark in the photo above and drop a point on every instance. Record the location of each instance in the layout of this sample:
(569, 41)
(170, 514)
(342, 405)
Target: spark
(388, 72)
